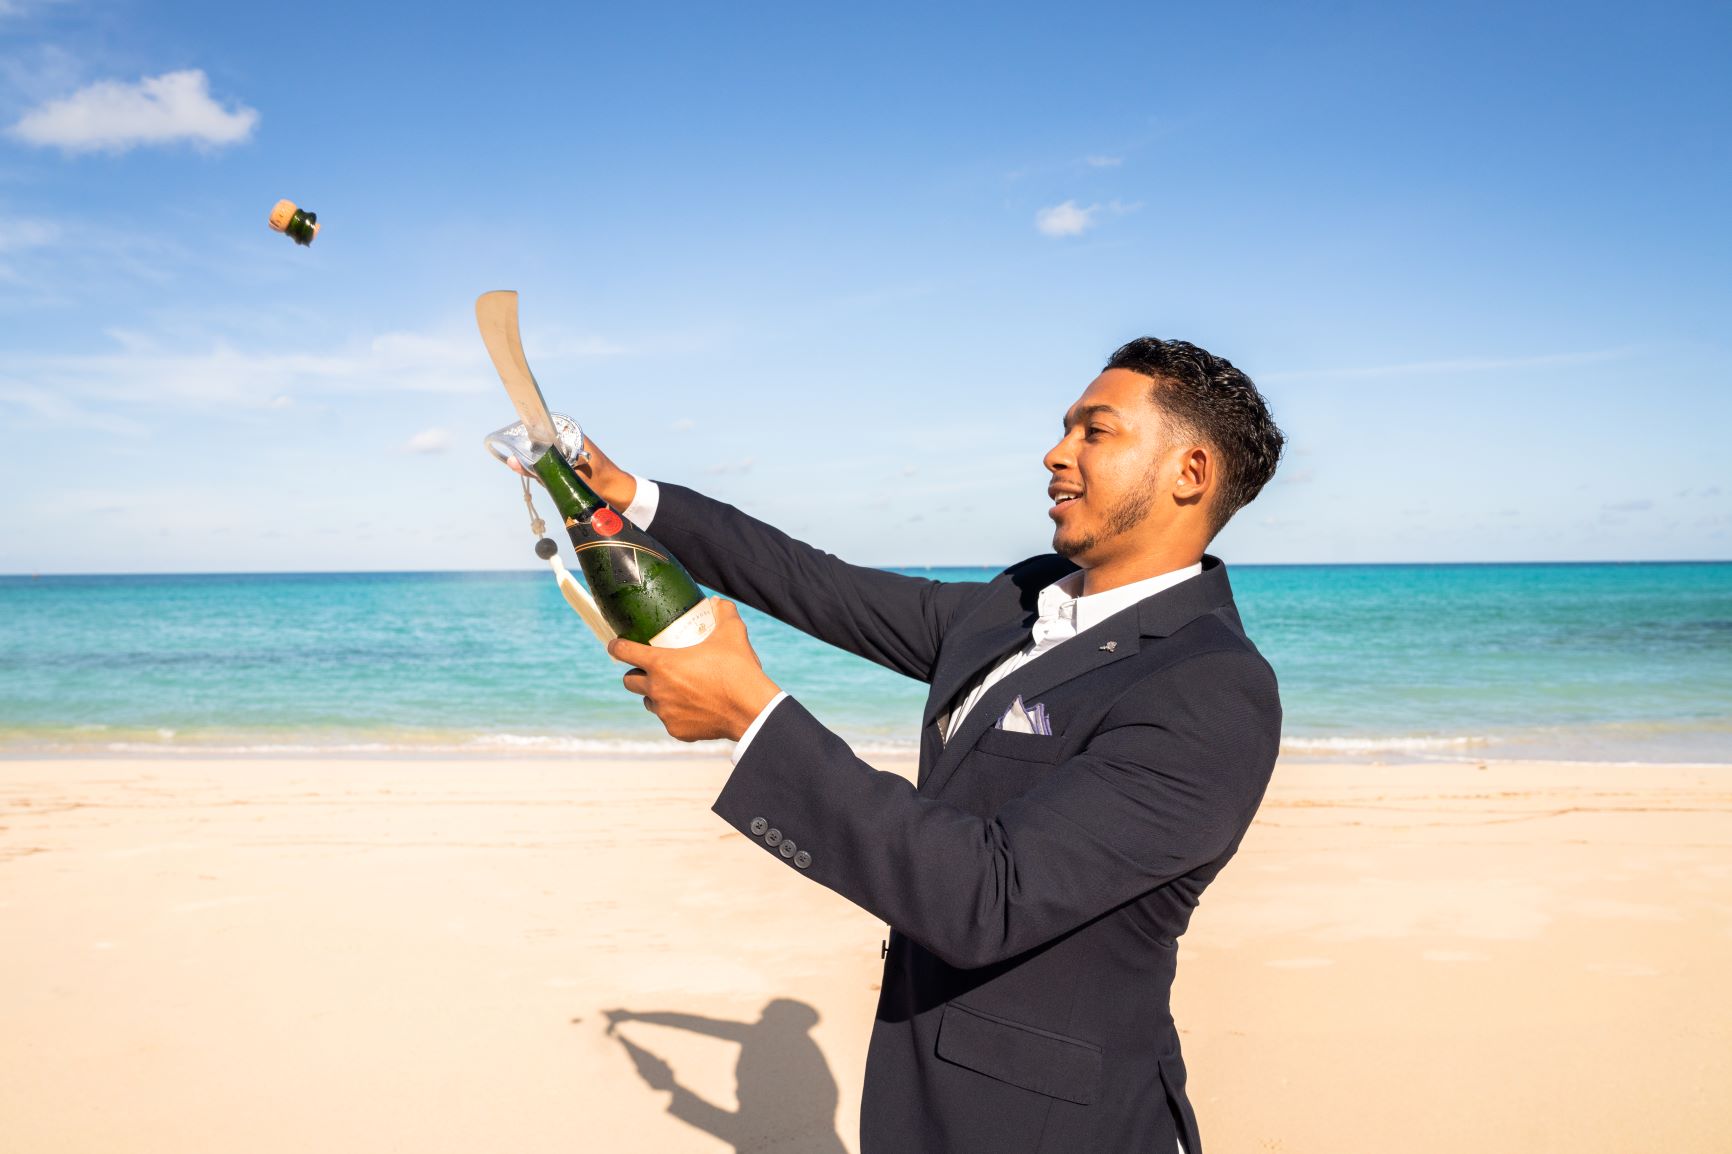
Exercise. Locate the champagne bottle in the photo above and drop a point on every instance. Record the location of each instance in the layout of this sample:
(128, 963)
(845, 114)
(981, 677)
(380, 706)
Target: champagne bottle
(643, 593)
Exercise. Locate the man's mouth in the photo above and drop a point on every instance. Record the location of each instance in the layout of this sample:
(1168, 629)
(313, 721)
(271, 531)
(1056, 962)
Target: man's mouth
(1060, 499)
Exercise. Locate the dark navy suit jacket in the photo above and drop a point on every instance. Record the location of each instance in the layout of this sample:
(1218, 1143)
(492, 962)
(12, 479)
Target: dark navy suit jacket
(1036, 885)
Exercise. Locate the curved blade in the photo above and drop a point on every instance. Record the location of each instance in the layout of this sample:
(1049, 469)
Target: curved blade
(496, 314)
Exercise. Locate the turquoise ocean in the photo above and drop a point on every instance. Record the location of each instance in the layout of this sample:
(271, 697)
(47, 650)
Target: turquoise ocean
(1621, 662)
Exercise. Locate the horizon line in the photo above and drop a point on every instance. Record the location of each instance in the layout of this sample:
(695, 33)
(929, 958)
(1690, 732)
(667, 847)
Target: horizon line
(39, 574)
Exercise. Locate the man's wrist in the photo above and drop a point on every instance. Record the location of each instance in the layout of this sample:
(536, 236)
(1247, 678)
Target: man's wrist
(753, 701)
(745, 739)
(618, 488)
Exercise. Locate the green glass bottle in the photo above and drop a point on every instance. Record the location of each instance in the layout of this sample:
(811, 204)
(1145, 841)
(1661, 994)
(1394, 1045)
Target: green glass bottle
(643, 593)
(295, 222)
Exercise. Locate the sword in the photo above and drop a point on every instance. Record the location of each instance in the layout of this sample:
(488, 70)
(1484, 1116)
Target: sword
(496, 313)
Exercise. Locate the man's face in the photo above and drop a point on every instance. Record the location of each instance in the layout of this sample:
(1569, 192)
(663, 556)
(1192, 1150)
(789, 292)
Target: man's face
(1107, 471)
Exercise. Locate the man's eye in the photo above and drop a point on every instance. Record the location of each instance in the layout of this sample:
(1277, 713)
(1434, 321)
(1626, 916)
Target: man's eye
(1095, 431)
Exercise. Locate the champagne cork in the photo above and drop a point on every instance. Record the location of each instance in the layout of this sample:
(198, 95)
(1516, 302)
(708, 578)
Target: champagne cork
(296, 223)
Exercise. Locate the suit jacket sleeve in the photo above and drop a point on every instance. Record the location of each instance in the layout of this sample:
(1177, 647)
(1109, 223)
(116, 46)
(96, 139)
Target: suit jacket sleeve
(1168, 783)
(892, 619)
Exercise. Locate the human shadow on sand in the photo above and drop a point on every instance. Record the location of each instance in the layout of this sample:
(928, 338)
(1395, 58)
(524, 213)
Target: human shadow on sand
(786, 1092)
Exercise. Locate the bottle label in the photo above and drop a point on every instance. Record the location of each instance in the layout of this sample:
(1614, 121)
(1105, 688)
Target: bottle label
(688, 628)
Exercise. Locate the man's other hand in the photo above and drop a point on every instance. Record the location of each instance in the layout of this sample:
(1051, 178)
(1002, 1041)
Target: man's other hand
(713, 689)
(610, 482)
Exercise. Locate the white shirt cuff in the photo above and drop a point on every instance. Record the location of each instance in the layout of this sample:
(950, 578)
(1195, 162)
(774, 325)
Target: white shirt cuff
(752, 729)
(644, 503)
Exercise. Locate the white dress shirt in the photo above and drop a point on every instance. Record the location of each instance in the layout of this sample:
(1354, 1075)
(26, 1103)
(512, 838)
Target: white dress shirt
(1064, 612)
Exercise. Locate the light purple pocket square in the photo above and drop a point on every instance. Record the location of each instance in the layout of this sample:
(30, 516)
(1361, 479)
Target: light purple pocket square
(1026, 719)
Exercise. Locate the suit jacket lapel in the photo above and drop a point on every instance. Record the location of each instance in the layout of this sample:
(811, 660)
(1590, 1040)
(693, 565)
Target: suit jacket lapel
(984, 651)
(1007, 618)
(1114, 639)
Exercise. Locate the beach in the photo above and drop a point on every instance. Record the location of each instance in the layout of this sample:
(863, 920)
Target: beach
(419, 954)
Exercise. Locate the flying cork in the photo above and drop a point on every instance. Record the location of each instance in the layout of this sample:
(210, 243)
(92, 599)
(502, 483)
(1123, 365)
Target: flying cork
(299, 224)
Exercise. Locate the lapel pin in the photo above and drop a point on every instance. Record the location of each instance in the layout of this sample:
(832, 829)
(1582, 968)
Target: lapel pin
(1109, 647)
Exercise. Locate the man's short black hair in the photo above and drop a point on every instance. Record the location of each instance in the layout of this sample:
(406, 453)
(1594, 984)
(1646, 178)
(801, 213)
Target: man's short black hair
(1217, 404)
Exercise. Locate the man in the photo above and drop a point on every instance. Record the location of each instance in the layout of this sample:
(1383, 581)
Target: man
(1098, 735)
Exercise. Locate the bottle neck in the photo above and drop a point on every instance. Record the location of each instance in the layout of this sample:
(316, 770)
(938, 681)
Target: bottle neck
(575, 500)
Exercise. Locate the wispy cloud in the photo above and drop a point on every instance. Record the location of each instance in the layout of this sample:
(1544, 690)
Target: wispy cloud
(429, 441)
(46, 407)
(22, 234)
(14, 8)
(114, 116)
(1073, 219)
(140, 374)
(731, 468)
(19, 236)
(1070, 166)
(1448, 365)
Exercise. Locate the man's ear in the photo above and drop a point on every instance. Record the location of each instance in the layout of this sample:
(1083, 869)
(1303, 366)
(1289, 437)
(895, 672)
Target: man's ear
(1195, 475)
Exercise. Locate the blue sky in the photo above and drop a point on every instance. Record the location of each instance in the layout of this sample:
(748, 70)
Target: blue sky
(847, 267)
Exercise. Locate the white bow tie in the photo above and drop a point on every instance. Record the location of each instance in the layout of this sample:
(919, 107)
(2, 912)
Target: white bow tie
(1056, 623)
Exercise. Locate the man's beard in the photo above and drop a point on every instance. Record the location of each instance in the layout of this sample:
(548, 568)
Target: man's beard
(1121, 518)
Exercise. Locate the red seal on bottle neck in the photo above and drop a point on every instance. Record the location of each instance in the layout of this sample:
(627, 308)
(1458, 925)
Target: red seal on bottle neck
(606, 522)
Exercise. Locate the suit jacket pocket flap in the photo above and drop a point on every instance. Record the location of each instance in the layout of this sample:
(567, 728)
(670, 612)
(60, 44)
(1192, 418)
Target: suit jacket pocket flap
(1046, 1063)
(1021, 746)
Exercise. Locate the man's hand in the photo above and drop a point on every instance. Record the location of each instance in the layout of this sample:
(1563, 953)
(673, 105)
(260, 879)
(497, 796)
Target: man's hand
(610, 482)
(715, 688)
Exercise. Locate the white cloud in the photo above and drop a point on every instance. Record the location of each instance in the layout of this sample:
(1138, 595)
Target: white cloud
(142, 374)
(731, 468)
(429, 441)
(1073, 219)
(410, 362)
(47, 407)
(22, 234)
(113, 116)
(18, 238)
(1067, 219)
(11, 8)
(1103, 161)
(683, 425)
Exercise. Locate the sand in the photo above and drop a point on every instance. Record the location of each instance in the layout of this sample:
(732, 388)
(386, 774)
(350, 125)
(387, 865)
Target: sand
(294, 955)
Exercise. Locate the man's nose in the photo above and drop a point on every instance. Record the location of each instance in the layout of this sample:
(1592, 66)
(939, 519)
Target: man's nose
(1058, 457)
